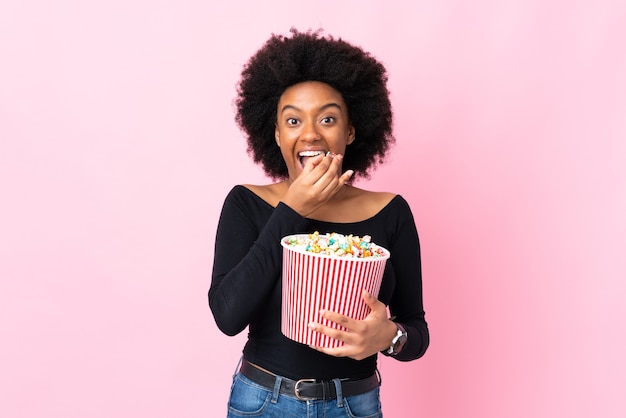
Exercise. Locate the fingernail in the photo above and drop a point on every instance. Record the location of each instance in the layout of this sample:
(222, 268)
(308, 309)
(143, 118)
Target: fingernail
(328, 153)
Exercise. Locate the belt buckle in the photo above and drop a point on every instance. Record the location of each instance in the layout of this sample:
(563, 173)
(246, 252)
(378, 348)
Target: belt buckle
(297, 390)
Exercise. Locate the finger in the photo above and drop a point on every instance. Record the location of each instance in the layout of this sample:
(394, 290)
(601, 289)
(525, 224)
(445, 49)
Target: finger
(339, 319)
(332, 180)
(316, 171)
(335, 184)
(312, 163)
(329, 164)
(328, 331)
(335, 352)
(335, 164)
(371, 301)
(336, 334)
(346, 176)
(348, 349)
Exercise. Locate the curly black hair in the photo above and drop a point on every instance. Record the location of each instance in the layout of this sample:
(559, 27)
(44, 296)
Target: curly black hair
(311, 56)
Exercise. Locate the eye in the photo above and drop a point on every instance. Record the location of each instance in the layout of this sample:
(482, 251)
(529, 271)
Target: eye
(292, 121)
(328, 119)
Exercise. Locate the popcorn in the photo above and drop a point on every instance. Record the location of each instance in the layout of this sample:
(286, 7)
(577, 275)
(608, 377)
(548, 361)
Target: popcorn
(327, 271)
(335, 244)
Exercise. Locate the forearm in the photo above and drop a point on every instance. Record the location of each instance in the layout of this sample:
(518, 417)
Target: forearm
(406, 305)
(246, 268)
(417, 341)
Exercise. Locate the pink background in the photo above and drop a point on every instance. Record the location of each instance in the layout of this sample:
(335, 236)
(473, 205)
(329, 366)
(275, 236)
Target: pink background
(118, 145)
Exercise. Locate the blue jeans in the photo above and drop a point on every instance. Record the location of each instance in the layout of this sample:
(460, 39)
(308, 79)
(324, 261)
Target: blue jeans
(248, 399)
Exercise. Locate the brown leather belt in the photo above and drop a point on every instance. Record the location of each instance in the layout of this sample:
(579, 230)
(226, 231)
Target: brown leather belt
(308, 389)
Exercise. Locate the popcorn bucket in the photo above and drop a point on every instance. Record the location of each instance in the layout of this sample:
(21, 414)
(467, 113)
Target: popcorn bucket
(313, 281)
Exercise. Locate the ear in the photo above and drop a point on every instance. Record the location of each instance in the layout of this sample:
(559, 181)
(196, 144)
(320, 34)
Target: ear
(351, 134)
(276, 134)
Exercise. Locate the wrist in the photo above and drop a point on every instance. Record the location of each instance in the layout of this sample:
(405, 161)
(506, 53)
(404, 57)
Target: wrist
(398, 342)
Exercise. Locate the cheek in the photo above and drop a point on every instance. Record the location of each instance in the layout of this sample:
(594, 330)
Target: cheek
(286, 140)
(285, 153)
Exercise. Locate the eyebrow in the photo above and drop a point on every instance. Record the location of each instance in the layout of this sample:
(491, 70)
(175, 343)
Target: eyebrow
(326, 106)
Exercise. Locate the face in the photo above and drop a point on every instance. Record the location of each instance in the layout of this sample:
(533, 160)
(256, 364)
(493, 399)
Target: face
(312, 119)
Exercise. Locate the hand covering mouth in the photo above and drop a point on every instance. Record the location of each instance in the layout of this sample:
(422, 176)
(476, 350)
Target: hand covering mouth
(305, 155)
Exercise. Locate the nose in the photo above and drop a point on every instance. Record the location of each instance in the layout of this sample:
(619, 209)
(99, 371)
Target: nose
(310, 133)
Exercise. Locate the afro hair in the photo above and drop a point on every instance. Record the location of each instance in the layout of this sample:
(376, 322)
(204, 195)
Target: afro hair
(310, 56)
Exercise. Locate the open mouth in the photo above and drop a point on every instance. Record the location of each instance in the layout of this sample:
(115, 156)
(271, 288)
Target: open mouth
(305, 155)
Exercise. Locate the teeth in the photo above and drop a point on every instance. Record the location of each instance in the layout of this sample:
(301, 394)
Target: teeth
(310, 153)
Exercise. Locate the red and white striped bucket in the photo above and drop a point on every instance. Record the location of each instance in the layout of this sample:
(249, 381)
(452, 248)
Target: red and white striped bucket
(314, 281)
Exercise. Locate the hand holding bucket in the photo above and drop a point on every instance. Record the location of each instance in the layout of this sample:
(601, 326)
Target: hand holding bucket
(313, 281)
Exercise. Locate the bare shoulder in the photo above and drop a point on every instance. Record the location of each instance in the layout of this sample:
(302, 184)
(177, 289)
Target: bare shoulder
(354, 205)
(371, 201)
(271, 193)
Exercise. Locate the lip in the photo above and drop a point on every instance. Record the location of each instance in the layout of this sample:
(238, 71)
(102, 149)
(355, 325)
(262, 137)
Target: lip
(315, 149)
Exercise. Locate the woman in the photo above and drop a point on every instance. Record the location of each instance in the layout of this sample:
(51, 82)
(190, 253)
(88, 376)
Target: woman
(316, 113)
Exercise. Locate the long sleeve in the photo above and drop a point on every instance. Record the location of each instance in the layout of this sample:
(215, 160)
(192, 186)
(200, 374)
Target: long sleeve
(248, 258)
(245, 289)
(406, 303)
